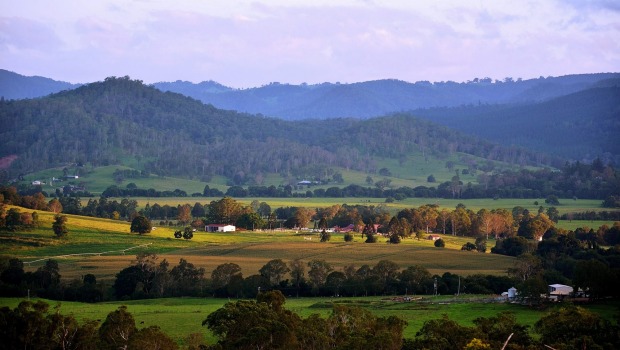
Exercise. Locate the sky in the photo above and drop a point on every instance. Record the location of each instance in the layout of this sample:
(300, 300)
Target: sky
(252, 43)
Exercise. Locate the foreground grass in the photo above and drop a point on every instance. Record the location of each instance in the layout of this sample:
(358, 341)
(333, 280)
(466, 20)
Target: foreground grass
(179, 317)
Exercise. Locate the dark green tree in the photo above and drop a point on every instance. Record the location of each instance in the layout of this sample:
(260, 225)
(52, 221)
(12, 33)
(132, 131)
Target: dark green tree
(59, 225)
(117, 329)
(188, 233)
(141, 225)
(325, 236)
(274, 271)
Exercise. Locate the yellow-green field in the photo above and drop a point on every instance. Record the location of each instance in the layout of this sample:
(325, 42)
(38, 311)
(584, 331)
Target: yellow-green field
(104, 247)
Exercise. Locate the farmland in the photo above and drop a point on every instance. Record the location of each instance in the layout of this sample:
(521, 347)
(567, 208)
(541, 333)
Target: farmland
(99, 246)
(178, 317)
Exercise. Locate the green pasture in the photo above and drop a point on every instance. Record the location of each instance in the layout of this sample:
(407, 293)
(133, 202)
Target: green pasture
(179, 317)
(410, 171)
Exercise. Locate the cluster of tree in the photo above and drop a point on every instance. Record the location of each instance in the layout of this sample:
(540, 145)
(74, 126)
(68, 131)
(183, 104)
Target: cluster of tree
(32, 325)
(592, 215)
(16, 220)
(45, 282)
(568, 327)
(132, 190)
(573, 258)
(148, 279)
(266, 324)
(612, 202)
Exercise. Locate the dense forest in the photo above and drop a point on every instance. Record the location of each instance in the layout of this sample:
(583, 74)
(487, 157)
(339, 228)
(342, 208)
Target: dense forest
(169, 134)
(581, 126)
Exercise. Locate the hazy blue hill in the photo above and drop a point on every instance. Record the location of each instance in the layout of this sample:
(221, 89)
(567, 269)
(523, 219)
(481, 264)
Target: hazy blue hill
(16, 86)
(582, 125)
(192, 90)
(380, 97)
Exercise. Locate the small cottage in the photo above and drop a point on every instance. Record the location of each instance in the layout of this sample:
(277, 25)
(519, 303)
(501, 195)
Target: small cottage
(434, 237)
(220, 228)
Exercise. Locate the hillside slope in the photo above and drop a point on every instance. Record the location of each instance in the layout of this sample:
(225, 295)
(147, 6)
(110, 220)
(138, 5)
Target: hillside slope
(580, 126)
(121, 120)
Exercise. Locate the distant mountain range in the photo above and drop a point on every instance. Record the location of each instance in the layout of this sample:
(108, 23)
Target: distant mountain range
(375, 98)
(574, 117)
(14, 86)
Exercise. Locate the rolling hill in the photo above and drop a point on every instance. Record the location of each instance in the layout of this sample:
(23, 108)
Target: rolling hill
(17, 86)
(380, 97)
(580, 126)
(122, 121)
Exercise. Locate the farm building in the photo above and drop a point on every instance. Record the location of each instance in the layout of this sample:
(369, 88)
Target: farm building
(433, 237)
(220, 228)
(559, 291)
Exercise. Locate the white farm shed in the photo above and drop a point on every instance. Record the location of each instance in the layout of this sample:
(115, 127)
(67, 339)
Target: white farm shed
(560, 289)
(220, 228)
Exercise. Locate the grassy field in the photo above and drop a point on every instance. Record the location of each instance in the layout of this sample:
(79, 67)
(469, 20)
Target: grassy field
(412, 171)
(179, 317)
(104, 247)
(565, 206)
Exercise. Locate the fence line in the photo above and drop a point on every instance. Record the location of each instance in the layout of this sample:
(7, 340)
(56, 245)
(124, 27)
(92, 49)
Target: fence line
(92, 254)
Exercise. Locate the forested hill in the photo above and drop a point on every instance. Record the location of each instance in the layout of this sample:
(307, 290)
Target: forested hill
(16, 86)
(579, 126)
(122, 120)
(375, 98)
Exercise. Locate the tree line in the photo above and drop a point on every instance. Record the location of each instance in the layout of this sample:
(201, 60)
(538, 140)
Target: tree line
(411, 222)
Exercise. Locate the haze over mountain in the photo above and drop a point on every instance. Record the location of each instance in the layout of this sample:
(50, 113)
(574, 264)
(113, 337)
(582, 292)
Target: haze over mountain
(375, 98)
(17, 86)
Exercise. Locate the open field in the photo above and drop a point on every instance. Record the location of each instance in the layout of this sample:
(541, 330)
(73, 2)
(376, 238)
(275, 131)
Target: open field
(565, 206)
(411, 171)
(179, 317)
(103, 247)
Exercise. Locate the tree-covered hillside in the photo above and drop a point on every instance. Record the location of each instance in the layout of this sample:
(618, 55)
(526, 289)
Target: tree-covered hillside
(121, 120)
(580, 126)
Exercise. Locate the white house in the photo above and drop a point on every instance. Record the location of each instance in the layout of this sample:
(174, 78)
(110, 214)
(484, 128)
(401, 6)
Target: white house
(559, 291)
(220, 228)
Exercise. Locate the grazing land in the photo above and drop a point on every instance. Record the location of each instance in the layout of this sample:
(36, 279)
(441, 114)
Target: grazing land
(103, 247)
(179, 317)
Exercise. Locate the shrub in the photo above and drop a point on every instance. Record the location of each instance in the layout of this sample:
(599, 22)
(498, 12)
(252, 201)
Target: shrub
(440, 243)
(348, 237)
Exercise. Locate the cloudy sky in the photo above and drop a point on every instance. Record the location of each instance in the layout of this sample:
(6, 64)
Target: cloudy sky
(251, 43)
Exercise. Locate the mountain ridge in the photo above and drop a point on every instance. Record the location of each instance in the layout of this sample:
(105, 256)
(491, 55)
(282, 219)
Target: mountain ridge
(168, 133)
